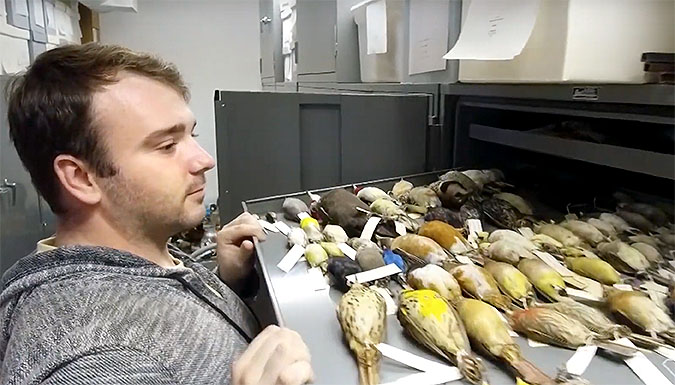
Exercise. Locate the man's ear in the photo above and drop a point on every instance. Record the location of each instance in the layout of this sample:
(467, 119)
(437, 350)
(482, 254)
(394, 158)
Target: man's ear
(76, 179)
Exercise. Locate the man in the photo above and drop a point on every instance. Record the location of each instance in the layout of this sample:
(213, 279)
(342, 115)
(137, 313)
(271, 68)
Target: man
(107, 136)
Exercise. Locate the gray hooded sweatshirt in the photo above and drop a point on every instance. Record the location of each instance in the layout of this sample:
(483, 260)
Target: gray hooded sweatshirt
(94, 315)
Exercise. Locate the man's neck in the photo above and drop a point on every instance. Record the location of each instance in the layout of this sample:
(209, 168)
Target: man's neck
(96, 231)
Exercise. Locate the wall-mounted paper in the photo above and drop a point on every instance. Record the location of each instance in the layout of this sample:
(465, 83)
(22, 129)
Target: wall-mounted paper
(49, 13)
(39, 13)
(376, 26)
(21, 7)
(13, 54)
(428, 35)
(495, 29)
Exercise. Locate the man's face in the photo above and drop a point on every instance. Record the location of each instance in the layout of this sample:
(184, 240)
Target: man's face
(147, 128)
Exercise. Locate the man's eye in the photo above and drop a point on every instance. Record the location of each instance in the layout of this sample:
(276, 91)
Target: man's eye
(168, 147)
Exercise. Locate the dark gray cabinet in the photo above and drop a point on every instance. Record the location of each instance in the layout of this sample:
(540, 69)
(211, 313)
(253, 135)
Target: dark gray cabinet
(21, 223)
(276, 143)
(271, 63)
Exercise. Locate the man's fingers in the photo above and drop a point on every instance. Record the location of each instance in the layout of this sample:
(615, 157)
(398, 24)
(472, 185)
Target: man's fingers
(290, 349)
(242, 218)
(299, 373)
(255, 345)
(247, 246)
(236, 233)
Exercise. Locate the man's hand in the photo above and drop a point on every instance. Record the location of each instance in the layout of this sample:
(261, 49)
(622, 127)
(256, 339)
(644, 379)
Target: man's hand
(235, 249)
(277, 356)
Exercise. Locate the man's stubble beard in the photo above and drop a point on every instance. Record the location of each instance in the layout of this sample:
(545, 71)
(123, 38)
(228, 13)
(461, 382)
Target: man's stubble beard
(140, 213)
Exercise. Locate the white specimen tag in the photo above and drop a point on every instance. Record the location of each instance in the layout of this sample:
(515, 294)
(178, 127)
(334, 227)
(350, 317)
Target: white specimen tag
(282, 227)
(391, 305)
(369, 228)
(578, 363)
(291, 258)
(553, 263)
(268, 226)
(536, 344)
(374, 274)
(400, 228)
(623, 286)
(313, 197)
(651, 285)
(413, 360)
(594, 288)
(526, 232)
(428, 378)
(582, 295)
(316, 279)
(665, 273)
(464, 259)
(302, 215)
(347, 250)
(475, 227)
(642, 367)
(667, 352)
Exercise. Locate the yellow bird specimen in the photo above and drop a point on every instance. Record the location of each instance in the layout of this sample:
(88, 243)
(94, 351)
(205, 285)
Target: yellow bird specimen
(432, 322)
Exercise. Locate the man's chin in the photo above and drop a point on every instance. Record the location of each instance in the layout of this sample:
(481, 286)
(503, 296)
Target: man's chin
(194, 217)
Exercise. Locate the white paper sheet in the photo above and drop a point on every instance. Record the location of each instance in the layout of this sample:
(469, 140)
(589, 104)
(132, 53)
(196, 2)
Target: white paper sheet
(62, 22)
(347, 250)
(643, 368)
(316, 279)
(49, 14)
(412, 360)
(14, 54)
(428, 378)
(579, 362)
(428, 35)
(400, 228)
(291, 258)
(21, 7)
(536, 344)
(376, 27)
(39, 13)
(495, 29)
(369, 228)
(374, 274)
(285, 230)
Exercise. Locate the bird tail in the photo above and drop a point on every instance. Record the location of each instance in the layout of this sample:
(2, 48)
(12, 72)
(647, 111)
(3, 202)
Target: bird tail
(523, 368)
(645, 341)
(530, 373)
(614, 347)
(471, 368)
(368, 364)
(501, 302)
(669, 337)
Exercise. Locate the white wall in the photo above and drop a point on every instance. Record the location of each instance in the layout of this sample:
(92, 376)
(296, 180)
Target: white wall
(214, 43)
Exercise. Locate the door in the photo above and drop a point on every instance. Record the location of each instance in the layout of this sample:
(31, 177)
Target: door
(316, 26)
(266, 12)
(20, 222)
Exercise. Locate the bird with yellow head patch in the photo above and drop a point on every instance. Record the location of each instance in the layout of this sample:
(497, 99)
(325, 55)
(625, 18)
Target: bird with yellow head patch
(435, 324)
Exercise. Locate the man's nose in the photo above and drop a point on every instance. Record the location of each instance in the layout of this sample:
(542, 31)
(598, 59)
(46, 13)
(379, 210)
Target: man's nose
(201, 159)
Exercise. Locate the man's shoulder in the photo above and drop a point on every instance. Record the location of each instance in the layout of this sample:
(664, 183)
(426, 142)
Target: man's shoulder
(86, 312)
(86, 295)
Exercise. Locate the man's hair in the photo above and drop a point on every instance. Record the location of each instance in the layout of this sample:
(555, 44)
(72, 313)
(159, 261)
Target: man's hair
(50, 107)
